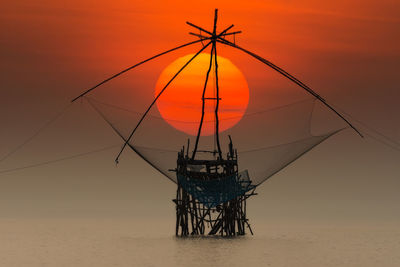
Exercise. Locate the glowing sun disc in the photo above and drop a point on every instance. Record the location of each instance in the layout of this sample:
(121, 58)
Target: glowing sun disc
(180, 105)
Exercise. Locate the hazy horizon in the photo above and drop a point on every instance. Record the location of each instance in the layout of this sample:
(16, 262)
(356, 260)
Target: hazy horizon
(347, 51)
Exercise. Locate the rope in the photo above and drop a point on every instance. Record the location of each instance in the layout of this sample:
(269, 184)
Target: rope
(228, 118)
(44, 126)
(325, 136)
(58, 160)
(383, 142)
(388, 141)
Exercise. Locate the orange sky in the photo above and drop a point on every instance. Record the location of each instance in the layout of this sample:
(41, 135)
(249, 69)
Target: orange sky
(103, 37)
(346, 50)
(89, 30)
(181, 103)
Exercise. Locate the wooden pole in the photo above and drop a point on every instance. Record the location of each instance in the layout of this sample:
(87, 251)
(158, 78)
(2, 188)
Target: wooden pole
(290, 77)
(156, 98)
(136, 65)
(203, 104)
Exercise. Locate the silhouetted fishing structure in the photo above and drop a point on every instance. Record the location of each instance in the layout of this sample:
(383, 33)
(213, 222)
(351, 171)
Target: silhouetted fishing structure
(212, 189)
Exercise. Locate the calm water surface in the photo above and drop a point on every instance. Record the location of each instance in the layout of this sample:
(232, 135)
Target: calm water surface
(126, 242)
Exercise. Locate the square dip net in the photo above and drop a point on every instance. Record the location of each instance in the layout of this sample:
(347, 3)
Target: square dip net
(280, 121)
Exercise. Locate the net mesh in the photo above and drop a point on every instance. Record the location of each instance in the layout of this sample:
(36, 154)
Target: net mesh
(278, 124)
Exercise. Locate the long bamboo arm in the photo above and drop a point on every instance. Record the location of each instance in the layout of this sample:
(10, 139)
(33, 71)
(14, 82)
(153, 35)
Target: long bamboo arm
(290, 77)
(136, 65)
(156, 98)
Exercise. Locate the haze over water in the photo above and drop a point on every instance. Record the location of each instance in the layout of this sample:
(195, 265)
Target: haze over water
(336, 206)
(115, 221)
(127, 242)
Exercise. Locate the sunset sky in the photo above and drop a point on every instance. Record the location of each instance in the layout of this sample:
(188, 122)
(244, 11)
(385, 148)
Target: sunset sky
(182, 100)
(51, 51)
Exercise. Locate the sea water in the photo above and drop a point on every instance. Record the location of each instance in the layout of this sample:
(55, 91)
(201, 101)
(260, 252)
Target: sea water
(132, 242)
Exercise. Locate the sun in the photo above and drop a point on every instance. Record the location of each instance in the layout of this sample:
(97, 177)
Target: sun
(180, 105)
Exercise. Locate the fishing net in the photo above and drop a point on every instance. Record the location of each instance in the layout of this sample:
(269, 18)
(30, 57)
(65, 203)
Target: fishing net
(271, 121)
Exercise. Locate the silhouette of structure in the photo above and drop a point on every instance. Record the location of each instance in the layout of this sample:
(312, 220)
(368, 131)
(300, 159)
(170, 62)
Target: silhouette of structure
(211, 195)
(211, 191)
